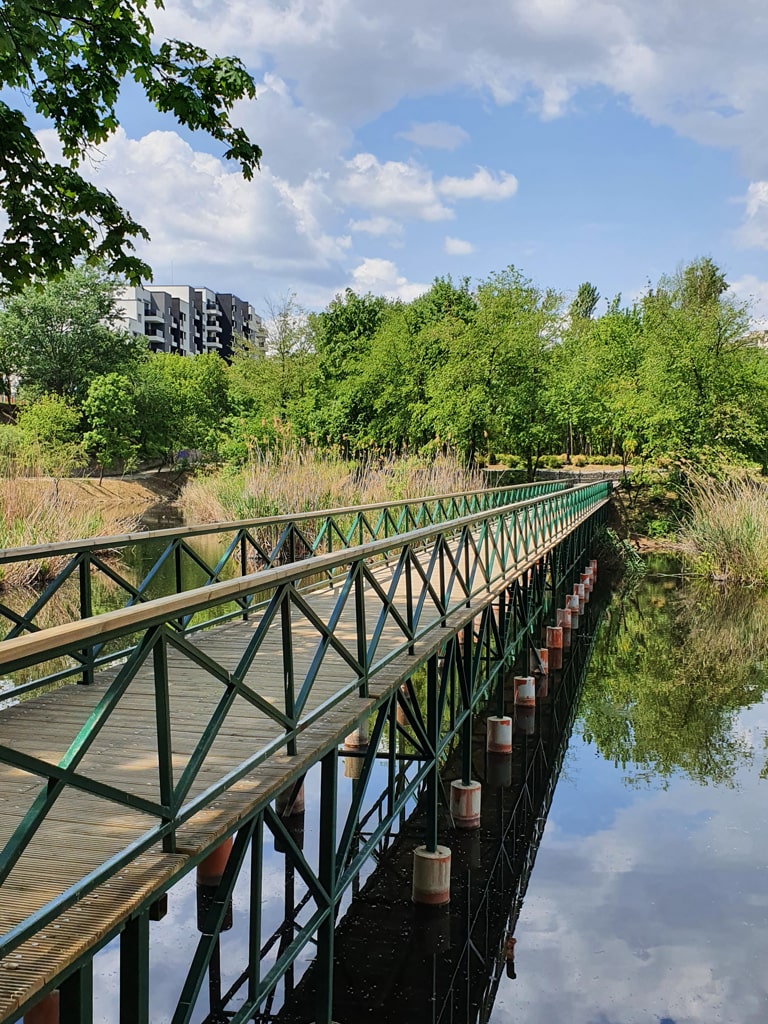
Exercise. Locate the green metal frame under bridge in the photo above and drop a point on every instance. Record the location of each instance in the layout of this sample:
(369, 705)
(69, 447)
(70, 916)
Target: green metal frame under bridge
(204, 709)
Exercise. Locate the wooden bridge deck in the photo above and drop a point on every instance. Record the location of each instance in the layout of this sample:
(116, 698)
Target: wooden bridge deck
(82, 831)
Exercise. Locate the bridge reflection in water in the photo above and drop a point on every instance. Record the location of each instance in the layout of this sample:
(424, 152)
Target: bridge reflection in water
(396, 961)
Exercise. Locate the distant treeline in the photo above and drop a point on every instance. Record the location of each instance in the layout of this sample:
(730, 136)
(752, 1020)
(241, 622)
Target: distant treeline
(502, 369)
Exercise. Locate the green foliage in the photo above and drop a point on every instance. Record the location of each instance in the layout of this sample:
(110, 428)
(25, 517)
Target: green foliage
(671, 669)
(585, 303)
(180, 403)
(49, 437)
(725, 534)
(110, 409)
(67, 61)
(58, 338)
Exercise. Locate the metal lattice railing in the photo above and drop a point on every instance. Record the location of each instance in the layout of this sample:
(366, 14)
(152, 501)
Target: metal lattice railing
(243, 547)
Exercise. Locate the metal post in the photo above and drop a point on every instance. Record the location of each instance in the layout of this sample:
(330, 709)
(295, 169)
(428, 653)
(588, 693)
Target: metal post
(86, 611)
(134, 971)
(76, 996)
(244, 567)
(290, 706)
(327, 878)
(360, 627)
(163, 724)
(254, 923)
(433, 733)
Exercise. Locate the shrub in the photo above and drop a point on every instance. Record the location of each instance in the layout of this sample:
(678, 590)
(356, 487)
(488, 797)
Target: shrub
(579, 460)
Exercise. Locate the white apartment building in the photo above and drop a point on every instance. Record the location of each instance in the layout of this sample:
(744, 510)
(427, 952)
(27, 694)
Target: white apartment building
(189, 321)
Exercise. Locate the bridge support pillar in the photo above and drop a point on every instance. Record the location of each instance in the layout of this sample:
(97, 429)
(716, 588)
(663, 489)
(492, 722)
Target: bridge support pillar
(525, 692)
(46, 1011)
(498, 738)
(431, 876)
(211, 868)
(465, 803)
(555, 647)
(291, 800)
(538, 661)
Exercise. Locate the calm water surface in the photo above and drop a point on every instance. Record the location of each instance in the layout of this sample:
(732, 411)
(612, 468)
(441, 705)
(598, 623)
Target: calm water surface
(649, 899)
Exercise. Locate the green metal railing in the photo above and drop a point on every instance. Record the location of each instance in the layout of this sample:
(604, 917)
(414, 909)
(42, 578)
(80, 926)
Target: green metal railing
(247, 545)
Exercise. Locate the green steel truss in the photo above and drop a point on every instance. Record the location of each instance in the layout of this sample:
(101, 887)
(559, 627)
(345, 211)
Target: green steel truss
(243, 546)
(488, 574)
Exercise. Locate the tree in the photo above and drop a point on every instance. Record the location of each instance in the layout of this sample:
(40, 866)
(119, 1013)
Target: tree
(49, 431)
(110, 408)
(66, 60)
(288, 343)
(696, 355)
(180, 403)
(63, 335)
(584, 305)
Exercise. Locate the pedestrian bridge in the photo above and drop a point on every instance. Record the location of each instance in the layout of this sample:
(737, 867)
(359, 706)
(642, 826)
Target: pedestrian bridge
(140, 743)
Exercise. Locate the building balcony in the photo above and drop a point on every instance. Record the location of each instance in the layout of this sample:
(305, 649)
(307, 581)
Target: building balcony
(154, 318)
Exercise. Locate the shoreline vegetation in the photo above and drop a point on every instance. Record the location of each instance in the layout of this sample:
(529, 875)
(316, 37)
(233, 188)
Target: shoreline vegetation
(718, 526)
(283, 482)
(378, 399)
(38, 511)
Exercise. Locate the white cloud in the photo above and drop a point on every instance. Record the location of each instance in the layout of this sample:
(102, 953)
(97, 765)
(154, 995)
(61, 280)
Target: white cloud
(436, 135)
(457, 246)
(326, 68)
(752, 290)
(694, 65)
(482, 185)
(402, 189)
(377, 226)
(383, 278)
(754, 230)
(202, 214)
(408, 190)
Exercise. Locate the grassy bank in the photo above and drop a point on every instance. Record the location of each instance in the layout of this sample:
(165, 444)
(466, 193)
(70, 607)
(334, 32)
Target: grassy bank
(288, 482)
(35, 511)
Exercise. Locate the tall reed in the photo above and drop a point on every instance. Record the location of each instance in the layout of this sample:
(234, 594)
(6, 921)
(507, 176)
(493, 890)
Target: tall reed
(35, 511)
(726, 533)
(285, 482)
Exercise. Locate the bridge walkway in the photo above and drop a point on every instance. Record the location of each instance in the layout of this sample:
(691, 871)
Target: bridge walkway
(83, 830)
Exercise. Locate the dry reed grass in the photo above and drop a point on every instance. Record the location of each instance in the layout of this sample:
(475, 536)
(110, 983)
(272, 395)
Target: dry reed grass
(726, 533)
(35, 511)
(287, 482)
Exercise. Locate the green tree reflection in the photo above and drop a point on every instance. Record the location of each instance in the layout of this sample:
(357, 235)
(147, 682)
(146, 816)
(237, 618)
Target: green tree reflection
(673, 665)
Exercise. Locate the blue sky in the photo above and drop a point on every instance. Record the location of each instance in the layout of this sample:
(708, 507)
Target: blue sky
(578, 139)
